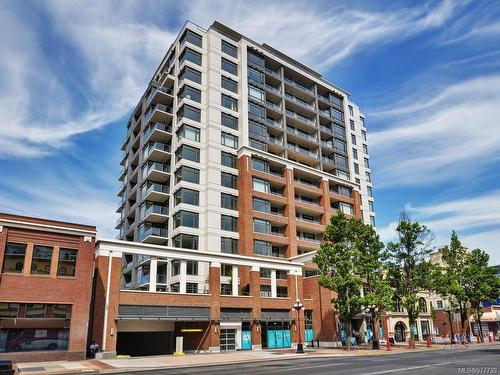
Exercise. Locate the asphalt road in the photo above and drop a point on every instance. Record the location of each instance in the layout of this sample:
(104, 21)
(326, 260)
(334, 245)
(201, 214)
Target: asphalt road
(485, 360)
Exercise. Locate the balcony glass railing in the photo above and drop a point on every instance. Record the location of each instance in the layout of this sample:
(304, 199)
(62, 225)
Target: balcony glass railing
(153, 209)
(299, 101)
(145, 232)
(275, 141)
(303, 151)
(163, 89)
(156, 126)
(300, 117)
(159, 107)
(274, 89)
(307, 220)
(316, 240)
(154, 187)
(272, 72)
(299, 85)
(158, 146)
(274, 123)
(276, 107)
(301, 134)
(155, 166)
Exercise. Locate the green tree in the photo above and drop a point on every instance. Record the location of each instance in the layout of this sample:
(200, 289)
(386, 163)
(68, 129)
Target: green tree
(350, 258)
(409, 267)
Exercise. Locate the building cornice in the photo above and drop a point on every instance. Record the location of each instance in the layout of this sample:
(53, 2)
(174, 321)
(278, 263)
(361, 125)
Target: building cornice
(46, 227)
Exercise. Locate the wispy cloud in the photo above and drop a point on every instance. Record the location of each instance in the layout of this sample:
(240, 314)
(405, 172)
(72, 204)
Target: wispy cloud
(437, 136)
(478, 214)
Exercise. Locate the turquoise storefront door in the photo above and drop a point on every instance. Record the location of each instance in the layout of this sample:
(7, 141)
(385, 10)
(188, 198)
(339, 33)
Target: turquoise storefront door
(246, 340)
(277, 339)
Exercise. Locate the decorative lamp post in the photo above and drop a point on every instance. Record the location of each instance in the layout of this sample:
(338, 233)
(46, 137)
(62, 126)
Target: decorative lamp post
(372, 310)
(297, 307)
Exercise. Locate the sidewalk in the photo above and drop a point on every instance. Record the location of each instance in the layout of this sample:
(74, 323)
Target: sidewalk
(190, 360)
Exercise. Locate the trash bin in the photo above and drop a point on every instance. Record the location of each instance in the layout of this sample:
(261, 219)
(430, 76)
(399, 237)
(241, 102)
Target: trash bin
(6, 368)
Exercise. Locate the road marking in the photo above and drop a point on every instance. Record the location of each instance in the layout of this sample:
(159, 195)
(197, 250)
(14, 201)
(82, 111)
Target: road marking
(305, 367)
(396, 370)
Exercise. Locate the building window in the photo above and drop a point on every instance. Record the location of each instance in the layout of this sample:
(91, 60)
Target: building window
(189, 132)
(262, 248)
(190, 55)
(398, 305)
(61, 312)
(256, 59)
(175, 287)
(186, 219)
(356, 168)
(190, 74)
(13, 260)
(336, 100)
(260, 165)
(368, 176)
(257, 130)
(363, 135)
(351, 112)
(66, 265)
(229, 121)
(261, 226)
(9, 310)
(185, 241)
(229, 66)
(340, 145)
(192, 37)
(176, 268)
(229, 84)
(439, 304)
(351, 122)
(255, 75)
(256, 110)
(228, 201)
(256, 93)
(229, 223)
(190, 93)
(355, 153)
(367, 163)
(229, 180)
(339, 130)
(265, 291)
(189, 112)
(372, 221)
(281, 275)
(42, 257)
(261, 205)
(187, 174)
(192, 288)
(228, 160)
(192, 268)
(353, 139)
(229, 102)
(365, 149)
(229, 140)
(362, 119)
(260, 185)
(370, 206)
(228, 48)
(229, 245)
(265, 273)
(281, 291)
(187, 196)
(370, 191)
(36, 310)
(188, 152)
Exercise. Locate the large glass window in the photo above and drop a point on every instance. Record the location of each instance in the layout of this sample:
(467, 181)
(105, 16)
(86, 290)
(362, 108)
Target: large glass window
(260, 165)
(188, 152)
(186, 219)
(190, 55)
(192, 268)
(363, 135)
(336, 100)
(229, 102)
(367, 163)
(229, 201)
(229, 84)
(341, 160)
(13, 260)
(340, 145)
(192, 288)
(261, 226)
(192, 37)
(255, 75)
(260, 185)
(229, 180)
(9, 310)
(67, 262)
(189, 112)
(229, 140)
(61, 312)
(229, 223)
(185, 241)
(256, 110)
(256, 93)
(187, 174)
(187, 196)
(261, 205)
(189, 132)
(228, 160)
(256, 59)
(42, 257)
(257, 129)
(230, 49)
(229, 66)
(370, 206)
(191, 93)
(36, 310)
(229, 121)
(191, 74)
(229, 245)
(262, 248)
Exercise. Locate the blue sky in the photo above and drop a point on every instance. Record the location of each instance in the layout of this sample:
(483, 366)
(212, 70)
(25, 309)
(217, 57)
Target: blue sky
(427, 75)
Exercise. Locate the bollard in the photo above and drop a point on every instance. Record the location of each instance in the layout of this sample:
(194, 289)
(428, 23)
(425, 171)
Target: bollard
(429, 341)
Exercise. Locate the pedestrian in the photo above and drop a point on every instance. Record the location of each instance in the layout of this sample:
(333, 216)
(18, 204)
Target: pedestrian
(94, 348)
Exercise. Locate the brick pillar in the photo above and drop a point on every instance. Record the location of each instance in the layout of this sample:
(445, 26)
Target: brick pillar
(80, 312)
(3, 244)
(295, 291)
(54, 261)
(291, 228)
(101, 273)
(325, 202)
(27, 259)
(357, 207)
(256, 308)
(245, 207)
(328, 320)
(214, 289)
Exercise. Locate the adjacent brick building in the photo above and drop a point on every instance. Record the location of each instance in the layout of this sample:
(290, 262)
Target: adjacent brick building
(45, 288)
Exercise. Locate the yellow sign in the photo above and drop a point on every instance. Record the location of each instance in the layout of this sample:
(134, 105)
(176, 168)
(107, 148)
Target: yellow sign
(191, 330)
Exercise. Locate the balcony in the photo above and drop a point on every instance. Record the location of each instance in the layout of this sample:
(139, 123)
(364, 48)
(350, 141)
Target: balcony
(303, 151)
(159, 113)
(298, 101)
(309, 239)
(272, 72)
(274, 123)
(300, 118)
(299, 86)
(154, 171)
(157, 151)
(160, 94)
(151, 234)
(155, 192)
(154, 213)
(273, 106)
(157, 132)
(300, 134)
(327, 144)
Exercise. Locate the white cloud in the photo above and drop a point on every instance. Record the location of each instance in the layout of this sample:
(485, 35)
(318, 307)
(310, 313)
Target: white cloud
(435, 137)
(477, 214)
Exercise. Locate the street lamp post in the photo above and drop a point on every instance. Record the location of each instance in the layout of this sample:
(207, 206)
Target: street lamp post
(372, 310)
(297, 307)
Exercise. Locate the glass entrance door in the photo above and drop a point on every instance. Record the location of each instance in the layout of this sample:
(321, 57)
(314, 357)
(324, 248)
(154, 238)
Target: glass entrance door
(227, 339)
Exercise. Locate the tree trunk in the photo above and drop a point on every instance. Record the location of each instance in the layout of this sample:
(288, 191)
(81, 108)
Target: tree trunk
(348, 335)
(462, 320)
(451, 327)
(480, 327)
(411, 344)
(375, 327)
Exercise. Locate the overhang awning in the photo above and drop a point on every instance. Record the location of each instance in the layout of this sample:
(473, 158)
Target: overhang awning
(150, 312)
(490, 316)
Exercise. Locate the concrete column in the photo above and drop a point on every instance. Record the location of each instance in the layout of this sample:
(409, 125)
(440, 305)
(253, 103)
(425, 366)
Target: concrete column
(235, 278)
(153, 270)
(256, 308)
(214, 288)
(356, 206)
(183, 276)
(326, 202)
(291, 228)
(245, 220)
(274, 293)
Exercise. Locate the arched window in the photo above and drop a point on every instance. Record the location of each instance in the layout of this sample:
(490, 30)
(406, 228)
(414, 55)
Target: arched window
(398, 305)
(422, 304)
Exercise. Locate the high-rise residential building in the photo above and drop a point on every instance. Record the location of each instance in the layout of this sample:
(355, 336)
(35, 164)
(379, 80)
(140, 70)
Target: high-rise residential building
(239, 150)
